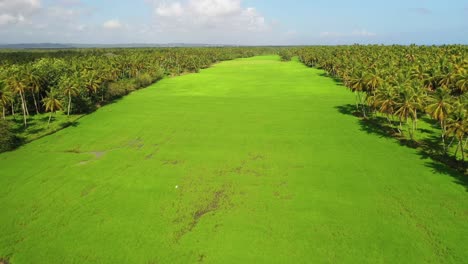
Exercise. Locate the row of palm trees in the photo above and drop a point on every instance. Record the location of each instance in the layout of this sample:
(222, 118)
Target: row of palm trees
(78, 81)
(404, 83)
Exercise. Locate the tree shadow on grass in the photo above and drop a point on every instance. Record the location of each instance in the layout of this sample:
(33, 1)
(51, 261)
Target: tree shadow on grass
(337, 80)
(428, 148)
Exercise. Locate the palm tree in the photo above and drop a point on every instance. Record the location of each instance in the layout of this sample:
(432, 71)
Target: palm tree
(358, 84)
(18, 87)
(408, 103)
(5, 98)
(384, 100)
(373, 80)
(69, 88)
(462, 83)
(52, 104)
(33, 82)
(439, 106)
(457, 126)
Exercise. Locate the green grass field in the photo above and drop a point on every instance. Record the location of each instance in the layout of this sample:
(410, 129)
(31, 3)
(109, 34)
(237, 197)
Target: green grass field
(251, 161)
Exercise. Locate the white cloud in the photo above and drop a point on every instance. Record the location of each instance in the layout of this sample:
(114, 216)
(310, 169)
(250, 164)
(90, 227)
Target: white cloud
(81, 27)
(17, 11)
(7, 19)
(18, 5)
(112, 24)
(215, 7)
(207, 15)
(173, 21)
(174, 9)
(62, 13)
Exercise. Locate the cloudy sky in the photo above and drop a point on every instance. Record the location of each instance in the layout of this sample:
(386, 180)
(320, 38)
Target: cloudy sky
(245, 22)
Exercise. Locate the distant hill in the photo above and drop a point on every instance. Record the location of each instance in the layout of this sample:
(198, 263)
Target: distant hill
(74, 45)
(35, 46)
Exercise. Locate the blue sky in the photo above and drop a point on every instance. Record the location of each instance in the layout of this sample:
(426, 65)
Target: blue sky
(249, 22)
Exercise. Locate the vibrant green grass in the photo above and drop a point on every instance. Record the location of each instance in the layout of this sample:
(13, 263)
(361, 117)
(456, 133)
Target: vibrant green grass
(267, 167)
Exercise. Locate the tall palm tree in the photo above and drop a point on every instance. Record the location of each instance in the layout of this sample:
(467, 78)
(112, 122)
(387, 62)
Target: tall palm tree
(34, 84)
(374, 80)
(457, 126)
(438, 107)
(358, 84)
(69, 88)
(384, 100)
(5, 98)
(52, 104)
(17, 84)
(407, 107)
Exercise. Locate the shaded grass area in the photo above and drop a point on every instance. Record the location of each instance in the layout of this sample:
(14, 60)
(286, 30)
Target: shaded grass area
(426, 142)
(427, 137)
(248, 161)
(37, 125)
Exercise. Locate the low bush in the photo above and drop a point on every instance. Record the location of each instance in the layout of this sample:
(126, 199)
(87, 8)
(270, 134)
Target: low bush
(120, 88)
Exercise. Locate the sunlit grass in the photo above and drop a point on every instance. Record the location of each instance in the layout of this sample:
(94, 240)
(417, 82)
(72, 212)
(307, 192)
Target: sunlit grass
(250, 161)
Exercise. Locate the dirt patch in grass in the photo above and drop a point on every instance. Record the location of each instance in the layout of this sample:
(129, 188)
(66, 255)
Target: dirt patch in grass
(76, 151)
(98, 154)
(256, 156)
(136, 143)
(217, 199)
(201, 258)
(4, 261)
(172, 162)
(87, 190)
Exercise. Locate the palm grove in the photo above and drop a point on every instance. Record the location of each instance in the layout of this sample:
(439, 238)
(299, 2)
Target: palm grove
(79, 81)
(399, 85)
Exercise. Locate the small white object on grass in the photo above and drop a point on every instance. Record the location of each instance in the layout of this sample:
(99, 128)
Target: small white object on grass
(177, 186)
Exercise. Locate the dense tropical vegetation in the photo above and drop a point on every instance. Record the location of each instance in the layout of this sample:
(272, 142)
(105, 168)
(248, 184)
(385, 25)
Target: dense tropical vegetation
(396, 86)
(79, 81)
(399, 85)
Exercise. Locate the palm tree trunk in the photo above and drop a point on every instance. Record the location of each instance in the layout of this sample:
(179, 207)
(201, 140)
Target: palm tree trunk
(50, 117)
(362, 105)
(35, 103)
(462, 151)
(410, 129)
(456, 150)
(12, 109)
(24, 109)
(415, 119)
(25, 105)
(4, 116)
(442, 127)
(69, 104)
(357, 102)
(451, 142)
(462, 147)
